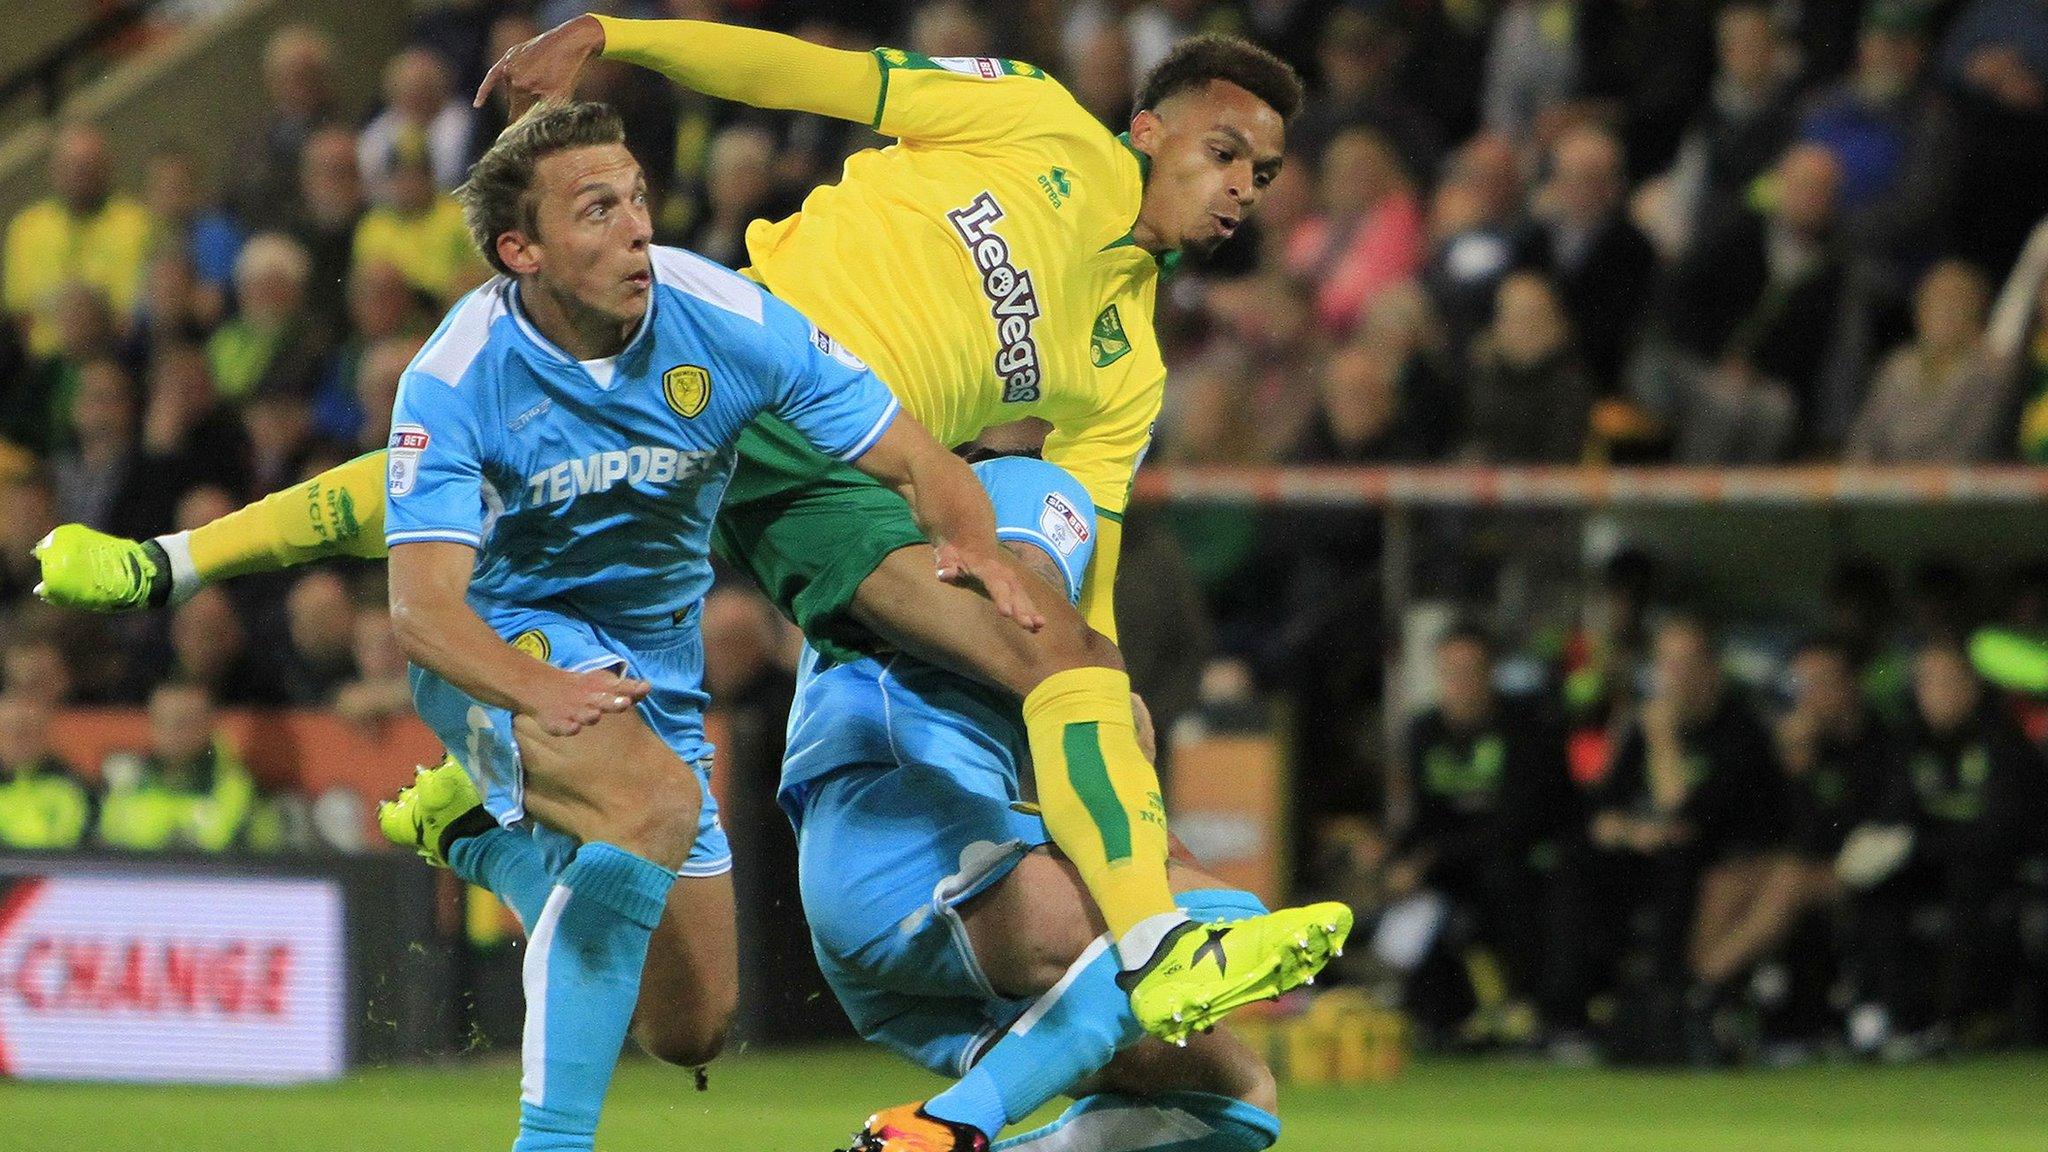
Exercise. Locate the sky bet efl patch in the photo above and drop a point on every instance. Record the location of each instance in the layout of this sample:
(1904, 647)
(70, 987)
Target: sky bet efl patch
(408, 442)
(836, 350)
(1062, 525)
(982, 66)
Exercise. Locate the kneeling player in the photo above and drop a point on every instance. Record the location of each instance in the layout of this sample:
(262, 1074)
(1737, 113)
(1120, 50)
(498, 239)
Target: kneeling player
(953, 935)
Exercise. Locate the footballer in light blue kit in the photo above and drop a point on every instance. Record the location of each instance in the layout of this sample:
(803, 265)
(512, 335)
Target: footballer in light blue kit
(902, 782)
(548, 525)
(588, 489)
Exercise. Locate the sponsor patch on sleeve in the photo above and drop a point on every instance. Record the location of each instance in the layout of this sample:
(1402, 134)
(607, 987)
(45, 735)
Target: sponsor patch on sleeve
(986, 67)
(1062, 525)
(408, 442)
(836, 350)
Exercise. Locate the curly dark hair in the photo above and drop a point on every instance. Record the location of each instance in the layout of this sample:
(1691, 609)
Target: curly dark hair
(496, 198)
(1212, 56)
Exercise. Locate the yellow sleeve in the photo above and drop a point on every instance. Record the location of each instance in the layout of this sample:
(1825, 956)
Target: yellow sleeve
(764, 69)
(953, 100)
(1103, 458)
(959, 100)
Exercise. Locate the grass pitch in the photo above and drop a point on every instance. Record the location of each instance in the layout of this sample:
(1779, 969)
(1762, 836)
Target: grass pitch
(809, 1101)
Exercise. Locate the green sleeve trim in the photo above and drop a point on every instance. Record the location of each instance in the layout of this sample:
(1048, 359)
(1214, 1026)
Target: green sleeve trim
(882, 94)
(1112, 517)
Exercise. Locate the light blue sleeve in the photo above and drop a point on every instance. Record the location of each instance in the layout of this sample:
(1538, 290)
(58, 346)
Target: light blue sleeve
(826, 393)
(1042, 504)
(434, 485)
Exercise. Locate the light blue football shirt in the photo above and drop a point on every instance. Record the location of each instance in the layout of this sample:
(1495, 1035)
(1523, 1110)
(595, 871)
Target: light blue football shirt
(590, 490)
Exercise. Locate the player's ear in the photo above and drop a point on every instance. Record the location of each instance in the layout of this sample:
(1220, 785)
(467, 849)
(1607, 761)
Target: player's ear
(520, 253)
(1145, 129)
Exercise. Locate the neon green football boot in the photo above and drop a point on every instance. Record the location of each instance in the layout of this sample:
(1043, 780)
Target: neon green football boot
(83, 568)
(1203, 972)
(439, 807)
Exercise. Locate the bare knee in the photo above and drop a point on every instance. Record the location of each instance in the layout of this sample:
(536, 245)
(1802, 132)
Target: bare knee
(1227, 1066)
(1031, 927)
(962, 631)
(1217, 1063)
(1064, 644)
(685, 1039)
(1260, 1089)
(660, 822)
(645, 800)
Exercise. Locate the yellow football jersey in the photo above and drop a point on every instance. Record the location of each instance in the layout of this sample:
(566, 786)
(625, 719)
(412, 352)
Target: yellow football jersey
(983, 265)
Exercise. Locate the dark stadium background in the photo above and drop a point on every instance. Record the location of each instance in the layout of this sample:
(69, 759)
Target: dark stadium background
(1592, 363)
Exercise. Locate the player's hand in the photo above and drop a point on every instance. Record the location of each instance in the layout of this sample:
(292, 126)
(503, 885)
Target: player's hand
(543, 68)
(566, 703)
(974, 567)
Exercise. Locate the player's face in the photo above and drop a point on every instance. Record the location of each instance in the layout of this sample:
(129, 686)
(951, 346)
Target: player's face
(593, 230)
(1213, 150)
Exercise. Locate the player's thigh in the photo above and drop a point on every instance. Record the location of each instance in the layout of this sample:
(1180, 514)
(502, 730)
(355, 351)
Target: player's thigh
(1031, 926)
(1216, 1062)
(690, 985)
(614, 781)
(902, 602)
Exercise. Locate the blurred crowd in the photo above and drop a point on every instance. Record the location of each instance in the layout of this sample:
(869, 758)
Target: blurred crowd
(1670, 839)
(1507, 231)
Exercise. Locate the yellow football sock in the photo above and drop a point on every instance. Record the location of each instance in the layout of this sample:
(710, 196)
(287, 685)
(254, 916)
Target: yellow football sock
(1099, 795)
(340, 512)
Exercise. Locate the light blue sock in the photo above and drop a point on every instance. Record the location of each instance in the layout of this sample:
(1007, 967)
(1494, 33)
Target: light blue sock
(1168, 1122)
(510, 863)
(1069, 1034)
(1066, 1036)
(582, 976)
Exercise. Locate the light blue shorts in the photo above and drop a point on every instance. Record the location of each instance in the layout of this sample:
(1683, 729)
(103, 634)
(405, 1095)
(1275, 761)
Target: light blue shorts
(885, 858)
(480, 736)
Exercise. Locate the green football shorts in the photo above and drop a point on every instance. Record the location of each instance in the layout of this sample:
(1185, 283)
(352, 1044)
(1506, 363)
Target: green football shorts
(808, 529)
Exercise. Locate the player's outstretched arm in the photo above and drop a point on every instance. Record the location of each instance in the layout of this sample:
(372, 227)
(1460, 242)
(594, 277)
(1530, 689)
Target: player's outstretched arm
(952, 508)
(441, 633)
(764, 69)
(339, 512)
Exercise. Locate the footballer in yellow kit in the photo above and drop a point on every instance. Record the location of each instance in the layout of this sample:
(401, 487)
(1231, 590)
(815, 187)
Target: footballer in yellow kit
(1031, 297)
(1000, 261)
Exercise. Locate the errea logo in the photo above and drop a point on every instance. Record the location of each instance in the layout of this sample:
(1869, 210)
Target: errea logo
(1057, 185)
